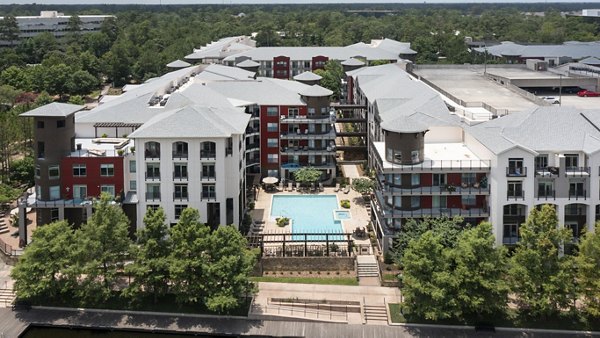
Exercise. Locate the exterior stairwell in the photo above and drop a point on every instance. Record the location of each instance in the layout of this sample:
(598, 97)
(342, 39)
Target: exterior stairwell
(375, 313)
(367, 266)
(7, 296)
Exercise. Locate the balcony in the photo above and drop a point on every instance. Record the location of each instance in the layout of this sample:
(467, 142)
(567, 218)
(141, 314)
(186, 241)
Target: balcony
(252, 147)
(153, 175)
(305, 150)
(179, 176)
(252, 161)
(306, 135)
(577, 194)
(510, 240)
(250, 131)
(208, 177)
(577, 171)
(516, 171)
(180, 196)
(208, 154)
(515, 195)
(151, 155)
(152, 196)
(324, 118)
(546, 194)
(180, 155)
(394, 190)
(209, 195)
(548, 172)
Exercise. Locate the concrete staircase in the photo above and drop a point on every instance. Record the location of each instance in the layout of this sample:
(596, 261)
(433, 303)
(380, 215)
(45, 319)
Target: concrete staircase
(375, 314)
(7, 296)
(367, 266)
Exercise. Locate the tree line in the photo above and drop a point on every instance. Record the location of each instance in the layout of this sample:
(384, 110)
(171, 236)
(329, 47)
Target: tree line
(187, 264)
(453, 273)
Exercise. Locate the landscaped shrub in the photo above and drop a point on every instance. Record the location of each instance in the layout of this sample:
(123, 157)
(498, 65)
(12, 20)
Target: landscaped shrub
(345, 204)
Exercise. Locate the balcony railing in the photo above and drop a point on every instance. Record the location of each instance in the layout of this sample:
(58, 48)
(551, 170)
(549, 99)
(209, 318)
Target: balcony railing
(180, 155)
(551, 172)
(546, 194)
(251, 130)
(209, 195)
(516, 171)
(208, 177)
(180, 176)
(180, 196)
(394, 190)
(306, 149)
(577, 194)
(577, 171)
(252, 146)
(388, 211)
(324, 118)
(208, 154)
(515, 194)
(153, 175)
(151, 154)
(434, 165)
(510, 240)
(152, 196)
(330, 134)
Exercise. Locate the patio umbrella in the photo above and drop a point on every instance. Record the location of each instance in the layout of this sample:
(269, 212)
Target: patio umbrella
(270, 180)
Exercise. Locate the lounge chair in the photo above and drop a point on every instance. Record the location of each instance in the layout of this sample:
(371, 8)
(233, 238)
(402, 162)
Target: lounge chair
(337, 187)
(298, 186)
(280, 186)
(312, 187)
(321, 187)
(346, 189)
(290, 186)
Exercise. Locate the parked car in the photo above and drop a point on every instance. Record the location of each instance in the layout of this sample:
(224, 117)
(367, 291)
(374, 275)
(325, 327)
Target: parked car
(551, 99)
(587, 93)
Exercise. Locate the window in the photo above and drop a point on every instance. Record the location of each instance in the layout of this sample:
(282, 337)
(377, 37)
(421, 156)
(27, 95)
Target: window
(133, 185)
(439, 202)
(153, 207)
(312, 111)
(468, 178)
(40, 124)
(153, 191)
(107, 170)
(515, 189)
(53, 172)
(541, 161)
(272, 111)
(208, 170)
(180, 150)
(79, 170)
(576, 229)
(273, 173)
(153, 170)
(272, 142)
(515, 167)
(414, 156)
(60, 124)
(179, 209)
(293, 112)
(229, 147)
(181, 191)
(514, 210)
(306, 64)
(468, 200)
(272, 127)
(545, 188)
(132, 168)
(571, 161)
(208, 191)
(511, 233)
(180, 171)
(108, 189)
(41, 149)
(54, 192)
(38, 171)
(208, 149)
(397, 157)
(415, 202)
(576, 189)
(152, 150)
(79, 192)
(273, 158)
(54, 215)
(415, 179)
(439, 180)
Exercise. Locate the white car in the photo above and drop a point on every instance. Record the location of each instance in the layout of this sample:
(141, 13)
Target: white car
(551, 99)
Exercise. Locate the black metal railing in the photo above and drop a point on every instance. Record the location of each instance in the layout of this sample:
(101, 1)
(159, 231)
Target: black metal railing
(515, 194)
(208, 154)
(516, 171)
(180, 175)
(180, 195)
(547, 171)
(546, 194)
(152, 196)
(577, 194)
(577, 171)
(211, 195)
(151, 154)
(153, 175)
(180, 154)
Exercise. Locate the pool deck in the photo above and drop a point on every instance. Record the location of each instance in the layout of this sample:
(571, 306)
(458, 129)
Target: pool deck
(358, 212)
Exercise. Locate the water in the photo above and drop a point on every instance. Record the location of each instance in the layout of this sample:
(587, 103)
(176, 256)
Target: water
(342, 214)
(309, 214)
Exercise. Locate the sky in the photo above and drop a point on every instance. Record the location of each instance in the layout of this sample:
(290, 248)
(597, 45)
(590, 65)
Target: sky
(171, 2)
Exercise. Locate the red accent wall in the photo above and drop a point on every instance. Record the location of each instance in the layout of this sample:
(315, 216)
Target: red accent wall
(318, 62)
(454, 178)
(480, 201)
(454, 201)
(281, 67)
(426, 180)
(426, 202)
(93, 180)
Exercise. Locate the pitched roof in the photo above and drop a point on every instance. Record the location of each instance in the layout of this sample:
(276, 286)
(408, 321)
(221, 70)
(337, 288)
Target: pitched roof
(573, 49)
(195, 122)
(352, 62)
(178, 64)
(222, 48)
(307, 76)
(542, 129)
(591, 61)
(307, 53)
(315, 91)
(248, 63)
(54, 109)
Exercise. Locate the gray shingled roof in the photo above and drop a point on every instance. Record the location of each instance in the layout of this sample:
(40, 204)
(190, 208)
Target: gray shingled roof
(307, 53)
(352, 62)
(178, 64)
(591, 61)
(266, 91)
(307, 76)
(54, 109)
(542, 129)
(573, 49)
(248, 63)
(315, 91)
(195, 122)
(220, 49)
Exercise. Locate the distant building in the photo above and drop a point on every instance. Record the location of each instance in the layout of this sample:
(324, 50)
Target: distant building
(55, 23)
(590, 12)
(554, 54)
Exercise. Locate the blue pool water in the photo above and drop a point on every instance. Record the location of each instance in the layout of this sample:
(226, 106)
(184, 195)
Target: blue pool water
(309, 214)
(342, 214)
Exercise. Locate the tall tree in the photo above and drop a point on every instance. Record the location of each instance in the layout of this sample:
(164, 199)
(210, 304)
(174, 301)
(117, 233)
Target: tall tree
(150, 269)
(103, 245)
(588, 263)
(41, 270)
(542, 279)
(9, 29)
(190, 242)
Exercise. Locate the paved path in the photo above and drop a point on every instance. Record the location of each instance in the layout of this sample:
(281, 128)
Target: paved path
(350, 171)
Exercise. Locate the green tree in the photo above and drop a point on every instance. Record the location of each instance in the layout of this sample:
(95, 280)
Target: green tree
(40, 271)
(150, 269)
(479, 269)
(363, 185)
(228, 264)
(103, 245)
(332, 76)
(9, 29)
(540, 277)
(81, 82)
(588, 261)
(21, 172)
(307, 175)
(8, 97)
(190, 242)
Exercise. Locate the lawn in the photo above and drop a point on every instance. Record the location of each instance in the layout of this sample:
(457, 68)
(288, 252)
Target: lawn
(396, 313)
(308, 280)
(390, 277)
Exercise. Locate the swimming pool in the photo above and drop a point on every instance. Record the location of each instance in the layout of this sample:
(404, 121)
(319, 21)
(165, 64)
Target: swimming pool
(341, 214)
(309, 214)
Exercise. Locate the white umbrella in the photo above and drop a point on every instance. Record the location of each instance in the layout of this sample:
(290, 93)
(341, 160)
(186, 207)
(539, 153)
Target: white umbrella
(270, 180)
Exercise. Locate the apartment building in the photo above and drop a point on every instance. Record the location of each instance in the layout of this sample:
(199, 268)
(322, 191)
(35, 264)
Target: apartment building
(55, 23)
(429, 163)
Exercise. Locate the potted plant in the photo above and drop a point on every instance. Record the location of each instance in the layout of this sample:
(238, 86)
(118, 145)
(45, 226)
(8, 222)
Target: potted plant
(450, 188)
(282, 221)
